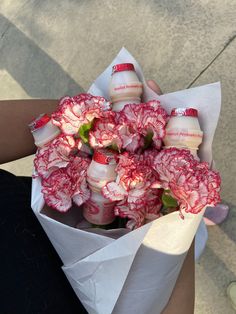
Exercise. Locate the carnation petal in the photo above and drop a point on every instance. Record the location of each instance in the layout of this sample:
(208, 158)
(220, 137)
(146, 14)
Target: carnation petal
(57, 190)
(113, 192)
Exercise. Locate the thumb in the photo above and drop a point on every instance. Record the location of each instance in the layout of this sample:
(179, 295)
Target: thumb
(153, 85)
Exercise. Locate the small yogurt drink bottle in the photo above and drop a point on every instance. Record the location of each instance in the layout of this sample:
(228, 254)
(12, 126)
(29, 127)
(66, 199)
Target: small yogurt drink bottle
(125, 87)
(183, 130)
(101, 169)
(43, 130)
(99, 210)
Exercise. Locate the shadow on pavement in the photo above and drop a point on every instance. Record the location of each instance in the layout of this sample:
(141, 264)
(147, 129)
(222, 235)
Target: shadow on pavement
(34, 70)
(228, 226)
(220, 267)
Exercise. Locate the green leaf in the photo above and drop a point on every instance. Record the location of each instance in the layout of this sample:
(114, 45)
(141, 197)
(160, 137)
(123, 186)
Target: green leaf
(113, 147)
(148, 139)
(84, 131)
(168, 200)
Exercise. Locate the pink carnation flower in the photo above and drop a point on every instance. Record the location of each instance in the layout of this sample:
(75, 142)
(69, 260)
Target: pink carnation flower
(77, 170)
(139, 206)
(128, 128)
(191, 183)
(130, 141)
(153, 204)
(105, 132)
(145, 118)
(75, 111)
(134, 171)
(54, 155)
(132, 190)
(136, 217)
(68, 184)
(56, 190)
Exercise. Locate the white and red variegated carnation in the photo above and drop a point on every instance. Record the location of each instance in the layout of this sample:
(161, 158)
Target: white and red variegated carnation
(105, 132)
(149, 156)
(153, 204)
(172, 161)
(191, 183)
(143, 119)
(136, 217)
(54, 155)
(77, 171)
(139, 207)
(57, 190)
(67, 184)
(130, 141)
(114, 192)
(75, 111)
(127, 129)
(134, 171)
(133, 190)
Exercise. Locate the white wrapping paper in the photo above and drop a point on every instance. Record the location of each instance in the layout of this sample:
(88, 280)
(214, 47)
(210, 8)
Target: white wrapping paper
(116, 271)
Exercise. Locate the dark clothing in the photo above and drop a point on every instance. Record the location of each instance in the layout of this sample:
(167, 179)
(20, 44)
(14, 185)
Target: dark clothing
(31, 279)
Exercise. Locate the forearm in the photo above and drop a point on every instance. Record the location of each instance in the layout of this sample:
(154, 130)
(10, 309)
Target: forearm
(183, 295)
(16, 140)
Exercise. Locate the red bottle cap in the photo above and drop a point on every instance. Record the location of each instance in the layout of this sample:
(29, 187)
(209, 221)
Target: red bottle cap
(122, 67)
(39, 122)
(188, 112)
(104, 156)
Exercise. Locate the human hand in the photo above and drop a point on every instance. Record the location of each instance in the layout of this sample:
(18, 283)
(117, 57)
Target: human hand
(153, 85)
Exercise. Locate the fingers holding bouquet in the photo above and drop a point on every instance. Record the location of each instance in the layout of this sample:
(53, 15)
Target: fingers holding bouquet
(154, 86)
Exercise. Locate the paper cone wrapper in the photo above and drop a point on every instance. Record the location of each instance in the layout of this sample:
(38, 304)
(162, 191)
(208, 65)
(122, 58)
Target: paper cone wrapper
(116, 271)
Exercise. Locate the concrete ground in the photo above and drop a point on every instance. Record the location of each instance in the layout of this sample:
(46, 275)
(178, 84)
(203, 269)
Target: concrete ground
(52, 48)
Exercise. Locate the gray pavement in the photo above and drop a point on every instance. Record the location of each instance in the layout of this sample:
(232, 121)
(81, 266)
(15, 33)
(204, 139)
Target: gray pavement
(52, 48)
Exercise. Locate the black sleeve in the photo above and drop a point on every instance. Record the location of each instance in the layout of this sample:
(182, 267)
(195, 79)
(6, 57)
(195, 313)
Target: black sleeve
(30, 270)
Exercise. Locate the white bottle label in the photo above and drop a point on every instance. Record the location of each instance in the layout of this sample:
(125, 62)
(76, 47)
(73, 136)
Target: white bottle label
(183, 137)
(119, 92)
(99, 213)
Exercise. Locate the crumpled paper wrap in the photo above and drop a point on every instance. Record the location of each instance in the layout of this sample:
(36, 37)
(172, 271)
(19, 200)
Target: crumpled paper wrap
(116, 271)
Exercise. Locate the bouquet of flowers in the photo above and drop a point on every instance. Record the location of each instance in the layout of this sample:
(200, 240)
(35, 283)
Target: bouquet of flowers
(116, 202)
